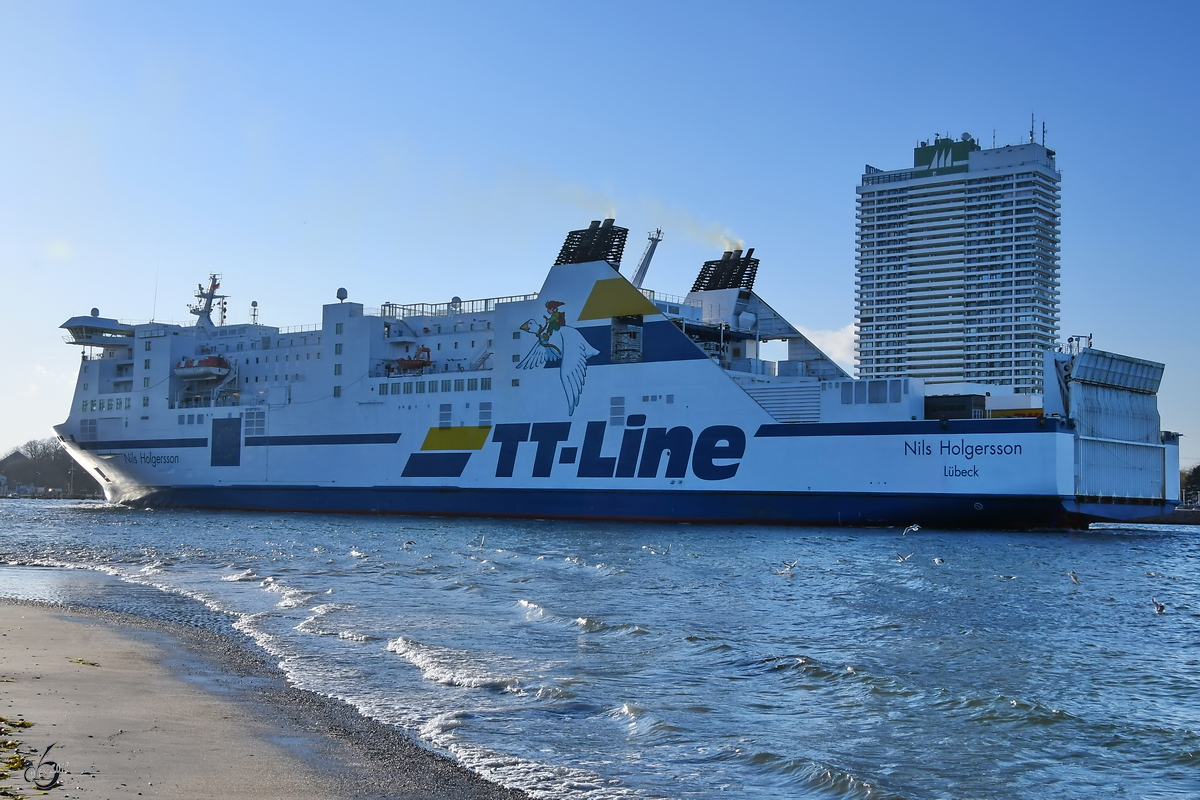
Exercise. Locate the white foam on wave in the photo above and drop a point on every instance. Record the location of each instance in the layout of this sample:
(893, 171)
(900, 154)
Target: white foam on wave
(538, 780)
(292, 597)
(244, 575)
(451, 667)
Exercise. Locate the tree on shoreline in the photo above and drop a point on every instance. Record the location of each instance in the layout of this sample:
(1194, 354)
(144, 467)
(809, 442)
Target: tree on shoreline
(45, 464)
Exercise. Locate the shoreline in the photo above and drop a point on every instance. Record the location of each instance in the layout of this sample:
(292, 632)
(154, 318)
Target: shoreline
(156, 708)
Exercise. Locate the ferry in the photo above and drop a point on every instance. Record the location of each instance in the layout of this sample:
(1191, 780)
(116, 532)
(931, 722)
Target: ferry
(595, 398)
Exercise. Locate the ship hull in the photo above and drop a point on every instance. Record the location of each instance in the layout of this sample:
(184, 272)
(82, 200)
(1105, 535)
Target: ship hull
(711, 507)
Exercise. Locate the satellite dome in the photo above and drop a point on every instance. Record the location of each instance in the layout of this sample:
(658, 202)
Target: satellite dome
(95, 312)
(342, 294)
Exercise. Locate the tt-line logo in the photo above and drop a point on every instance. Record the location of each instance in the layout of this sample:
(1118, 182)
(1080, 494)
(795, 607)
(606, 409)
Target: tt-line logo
(713, 455)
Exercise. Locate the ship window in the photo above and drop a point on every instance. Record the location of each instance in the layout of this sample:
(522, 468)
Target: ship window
(455, 345)
(145, 401)
(472, 341)
(146, 364)
(199, 419)
(247, 379)
(486, 383)
(337, 349)
(860, 393)
(181, 419)
(256, 359)
(318, 355)
(877, 391)
(616, 411)
(439, 347)
(395, 388)
(383, 388)
(516, 357)
(516, 334)
(444, 415)
(147, 344)
(670, 398)
(191, 419)
(847, 393)
(145, 383)
(85, 387)
(485, 414)
(128, 402)
(516, 381)
(337, 391)
(420, 387)
(433, 386)
(472, 384)
(287, 358)
(459, 385)
(445, 386)
(894, 391)
(84, 408)
(337, 329)
(408, 387)
(337, 369)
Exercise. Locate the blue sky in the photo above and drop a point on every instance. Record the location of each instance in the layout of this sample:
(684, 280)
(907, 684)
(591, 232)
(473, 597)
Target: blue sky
(411, 152)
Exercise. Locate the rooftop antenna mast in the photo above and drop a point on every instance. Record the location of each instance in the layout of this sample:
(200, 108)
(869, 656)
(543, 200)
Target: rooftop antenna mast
(1031, 129)
(1043, 133)
(203, 308)
(643, 266)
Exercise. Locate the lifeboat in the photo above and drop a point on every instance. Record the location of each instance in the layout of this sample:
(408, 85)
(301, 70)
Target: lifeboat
(204, 369)
(420, 359)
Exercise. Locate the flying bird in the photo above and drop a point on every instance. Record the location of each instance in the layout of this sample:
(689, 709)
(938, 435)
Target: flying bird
(555, 340)
(1074, 580)
(939, 561)
(911, 529)
(787, 567)
(1159, 608)
(901, 559)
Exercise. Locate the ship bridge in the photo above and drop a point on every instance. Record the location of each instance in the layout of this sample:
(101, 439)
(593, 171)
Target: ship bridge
(96, 331)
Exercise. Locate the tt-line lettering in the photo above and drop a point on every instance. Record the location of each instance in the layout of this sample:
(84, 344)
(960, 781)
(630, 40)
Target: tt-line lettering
(713, 454)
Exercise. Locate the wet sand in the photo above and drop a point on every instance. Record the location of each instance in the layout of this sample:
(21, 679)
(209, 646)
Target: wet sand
(153, 709)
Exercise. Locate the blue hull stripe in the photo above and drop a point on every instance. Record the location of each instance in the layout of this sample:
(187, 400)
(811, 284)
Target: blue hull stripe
(934, 511)
(141, 444)
(912, 428)
(436, 465)
(330, 438)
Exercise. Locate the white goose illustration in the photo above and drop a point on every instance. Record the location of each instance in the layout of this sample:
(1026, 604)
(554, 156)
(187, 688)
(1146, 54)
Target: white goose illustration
(557, 341)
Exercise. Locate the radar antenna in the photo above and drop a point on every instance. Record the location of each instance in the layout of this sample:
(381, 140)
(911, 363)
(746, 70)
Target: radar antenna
(643, 266)
(203, 308)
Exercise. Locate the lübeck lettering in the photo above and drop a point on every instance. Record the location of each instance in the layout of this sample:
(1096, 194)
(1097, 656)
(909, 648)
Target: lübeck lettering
(713, 454)
(949, 447)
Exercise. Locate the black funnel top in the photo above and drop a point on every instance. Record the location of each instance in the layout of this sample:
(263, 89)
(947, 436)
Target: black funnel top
(598, 242)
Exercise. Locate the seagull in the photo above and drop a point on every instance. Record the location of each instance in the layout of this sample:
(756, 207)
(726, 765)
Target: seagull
(911, 529)
(558, 341)
(939, 561)
(409, 544)
(1074, 580)
(901, 559)
(1159, 608)
(787, 567)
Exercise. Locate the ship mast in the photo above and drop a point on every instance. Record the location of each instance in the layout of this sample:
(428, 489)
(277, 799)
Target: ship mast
(203, 308)
(643, 267)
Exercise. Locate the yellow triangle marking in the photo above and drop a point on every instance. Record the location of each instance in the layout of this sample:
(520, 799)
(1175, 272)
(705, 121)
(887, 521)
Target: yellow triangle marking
(615, 297)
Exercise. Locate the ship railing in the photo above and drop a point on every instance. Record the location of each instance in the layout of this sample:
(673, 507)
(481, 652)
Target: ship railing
(300, 329)
(672, 299)
(401, 311)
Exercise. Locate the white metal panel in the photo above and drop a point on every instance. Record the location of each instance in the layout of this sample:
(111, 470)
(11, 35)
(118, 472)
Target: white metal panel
(798, 403)
(1119, 469)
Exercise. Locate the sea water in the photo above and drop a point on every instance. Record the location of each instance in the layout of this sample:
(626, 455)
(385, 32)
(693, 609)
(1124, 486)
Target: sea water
(603, 660)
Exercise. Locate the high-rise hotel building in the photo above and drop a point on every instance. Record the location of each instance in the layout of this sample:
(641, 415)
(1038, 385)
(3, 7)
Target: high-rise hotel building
(958, 265)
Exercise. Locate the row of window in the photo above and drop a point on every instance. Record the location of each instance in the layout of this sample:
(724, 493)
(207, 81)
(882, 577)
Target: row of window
(433, 387)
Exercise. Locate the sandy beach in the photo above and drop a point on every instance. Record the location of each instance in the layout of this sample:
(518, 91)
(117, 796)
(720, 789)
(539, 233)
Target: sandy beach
(145, 708)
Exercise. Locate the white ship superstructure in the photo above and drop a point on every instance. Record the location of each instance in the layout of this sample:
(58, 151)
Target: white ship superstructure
(594, 398)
